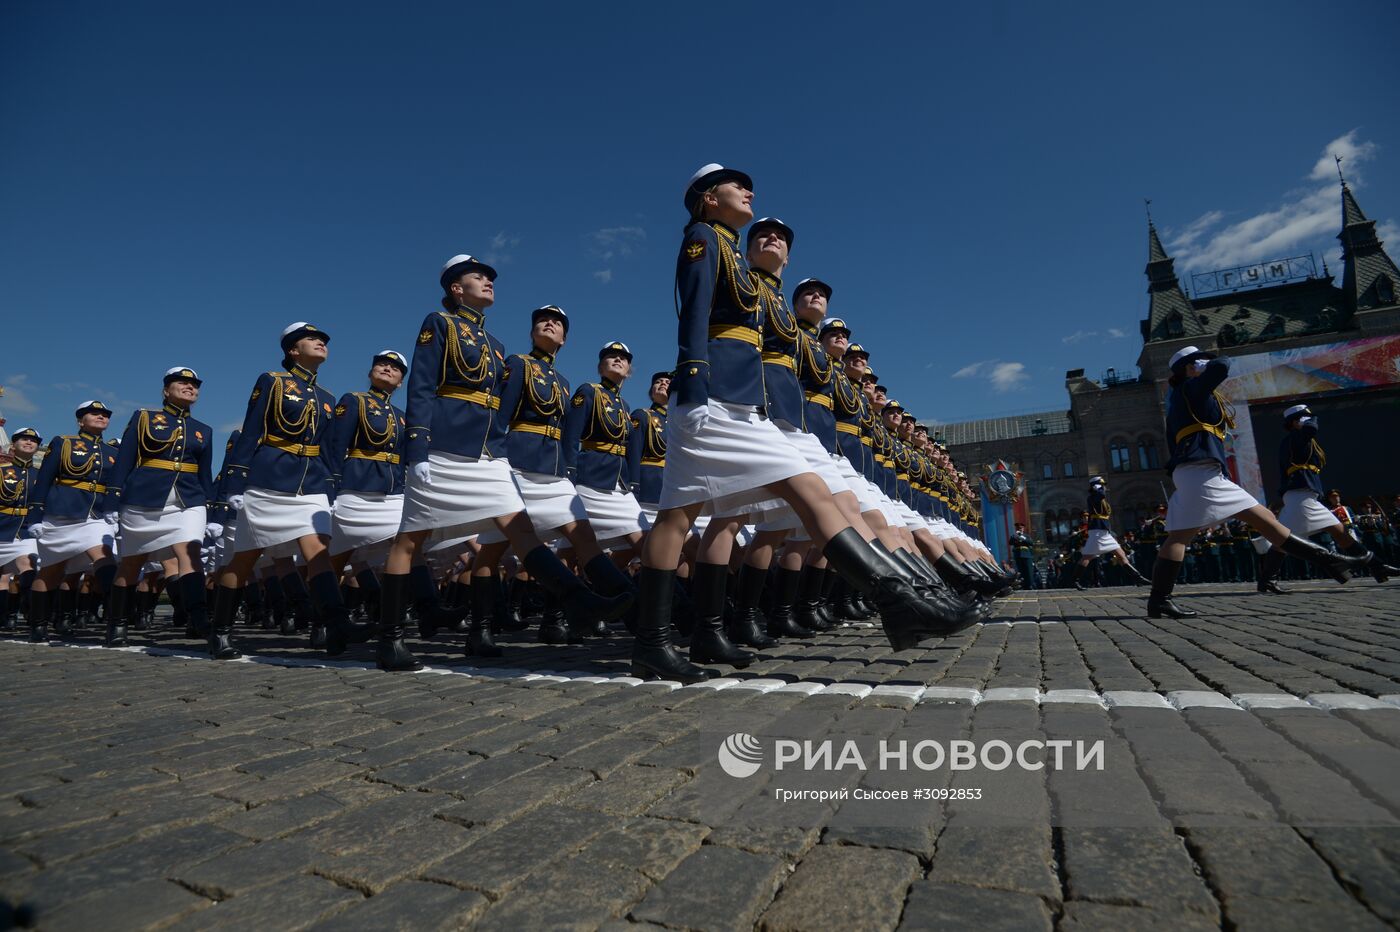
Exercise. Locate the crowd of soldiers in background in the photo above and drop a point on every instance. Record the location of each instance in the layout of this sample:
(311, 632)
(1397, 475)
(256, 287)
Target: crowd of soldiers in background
(1226, 553)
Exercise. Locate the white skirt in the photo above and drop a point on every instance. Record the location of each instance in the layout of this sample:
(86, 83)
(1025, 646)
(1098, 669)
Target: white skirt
(1098, 543)
(12, 550)
(943, 530)
(361, 520)
(463, 498)
(156, 530)
(1303, 514)
(66, 538)
(723, 455)
(550, 501)
(911, 518)
(614, 515)
(865, 493)
(270, 518)
(1204, 497)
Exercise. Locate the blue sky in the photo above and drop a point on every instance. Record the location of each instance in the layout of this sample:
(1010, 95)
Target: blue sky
(179, 181)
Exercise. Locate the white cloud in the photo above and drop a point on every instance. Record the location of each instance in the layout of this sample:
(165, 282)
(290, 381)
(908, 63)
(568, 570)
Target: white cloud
(1004, 376)
(16, 399)
(603, 275)
(500, 248)
(613, 242)
(1116, 333)
(1079, 336)
(1306, 219)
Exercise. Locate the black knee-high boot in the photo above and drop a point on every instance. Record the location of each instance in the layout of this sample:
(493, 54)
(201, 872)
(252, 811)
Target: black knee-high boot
(6, 623)
(193, 596)
(809, 600)
(369, 592)
(708, 643)
(276, 603)
(607, 579)
(298, 617)
(117, 606)
(1159, 602)
(582, 606)
(743, 627)
(254, 600)
(391, 654)
(960, 612)
(1269, 566)
(40, 606)
(781, 624)
(654, 655)
(554, 628)
(482, 593)
(221, 629)
(1075, 576)
(1336, 565)
(340, 630)
(905, 615)
(431, 614)
(1379, 571)
(64, 606)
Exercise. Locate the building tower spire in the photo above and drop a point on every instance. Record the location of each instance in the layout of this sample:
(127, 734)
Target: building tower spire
(1169, 315)
(1370, 278)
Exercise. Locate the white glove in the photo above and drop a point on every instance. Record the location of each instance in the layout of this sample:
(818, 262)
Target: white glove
(112, 518)
(37, 531)
(214, 529)
(422, 473)
(235, 502)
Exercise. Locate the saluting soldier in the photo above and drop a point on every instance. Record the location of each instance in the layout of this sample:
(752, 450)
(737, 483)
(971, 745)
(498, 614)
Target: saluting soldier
(71, 514)
(1198, 420)
(1099, 539)
(367, 458)
(1301, 460)
(164, 475)
(17, 547)
(460, 482)
(279, 480)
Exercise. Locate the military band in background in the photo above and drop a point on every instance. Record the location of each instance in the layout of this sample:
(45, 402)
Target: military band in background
(771, 488)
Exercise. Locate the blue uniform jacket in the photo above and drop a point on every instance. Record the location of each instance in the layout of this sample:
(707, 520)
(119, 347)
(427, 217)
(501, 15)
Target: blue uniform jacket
(646, 453)
(454, 388)
(367, 444)
(1300, 459)
(849, 410)
(782, 394)
(164, 449)
(1099, 511)
(817, 375)
(720, 319)
(72, 481)
(595, 436)
(284, 445)
(1198, 417)
(532, 404)
(17, 481)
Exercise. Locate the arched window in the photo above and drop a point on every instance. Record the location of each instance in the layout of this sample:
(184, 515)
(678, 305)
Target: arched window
(1050, 536)
(1147, 454)
(1385, 289)
(1047, 470)
(1174, 325)
(1069, 469)
(1119, 456)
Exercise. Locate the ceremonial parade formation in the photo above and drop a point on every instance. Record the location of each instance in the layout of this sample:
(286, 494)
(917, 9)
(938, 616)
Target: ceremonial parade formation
(773, 488)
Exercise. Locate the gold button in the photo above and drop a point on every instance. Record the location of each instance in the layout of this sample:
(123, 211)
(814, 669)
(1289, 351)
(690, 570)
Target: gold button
(693, 370)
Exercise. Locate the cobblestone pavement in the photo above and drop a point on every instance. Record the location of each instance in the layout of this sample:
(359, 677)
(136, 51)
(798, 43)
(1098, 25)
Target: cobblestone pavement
(1250, 778)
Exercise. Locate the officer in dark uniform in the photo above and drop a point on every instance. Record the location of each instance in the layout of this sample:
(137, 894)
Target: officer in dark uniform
(646, 446)
(1241, 543)
(17, 547)
(1023, 553)
(71, 514)
(164, 475)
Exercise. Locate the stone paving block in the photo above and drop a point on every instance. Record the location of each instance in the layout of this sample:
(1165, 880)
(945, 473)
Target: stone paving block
(1366, 861)
(629, 790)
(652, 847)
(499, 859)
(1016, 859)
(441, 767)
(576, 893)
(355, 827)
(685, 897)
(139, 905)
(1255, 914)
(1272, 862)
(282, 816)
(1370, 766)
(238, 871)
(1102, 917)
(824, 892)
(297, 780)
(294, 902)
(1133, 867)
(386, 859)
(509, 800)
(944, 907)
(409, 906)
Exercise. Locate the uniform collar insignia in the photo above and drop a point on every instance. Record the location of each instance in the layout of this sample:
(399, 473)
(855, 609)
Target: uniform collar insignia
(17, 460)
(379, 394)
(808, 328)
(541, 355)
(175, 410)
(772, 280)
(724, 228)
(608, 384)
(301, 372)
(471, 314)
(87, 436)
(657, 407)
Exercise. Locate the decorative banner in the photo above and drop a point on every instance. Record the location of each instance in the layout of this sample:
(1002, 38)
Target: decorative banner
(1297, 374)
(1003, 505)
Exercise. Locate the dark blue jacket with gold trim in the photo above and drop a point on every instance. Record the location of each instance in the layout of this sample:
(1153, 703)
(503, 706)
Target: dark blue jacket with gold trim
(718, 333)
(595, 436)
(454, 388)
(1198, 417)
(817, 375)
(532, 404)
(17, 481)
(646, 453)
(367, 444)
(1100, 511)
(72, 481)
(164, 449)
(284, 445)
(852, 414)
(781, 390)
(1300, 459)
